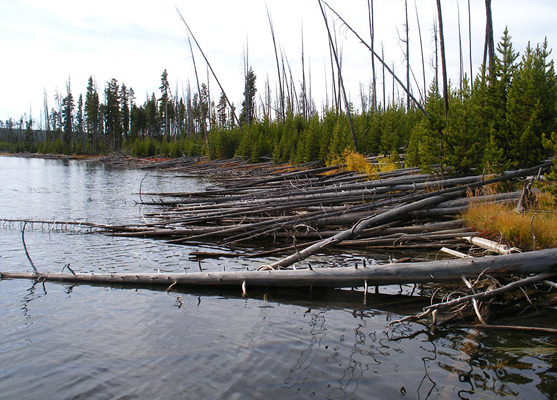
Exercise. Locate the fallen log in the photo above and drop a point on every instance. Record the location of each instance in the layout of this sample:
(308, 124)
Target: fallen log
(399, 273)
(396, 213)
(491, 245)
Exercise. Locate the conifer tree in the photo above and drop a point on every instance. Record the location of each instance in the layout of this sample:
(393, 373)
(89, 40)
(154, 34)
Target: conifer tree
(426, 145)
(531, 106)
(68, 106)
(222, 114)
(163, 104)
(124, 98)
(489, 105)
(464, 141)
(247, 114)
(112, 118)
(91, 110)
(79, 122)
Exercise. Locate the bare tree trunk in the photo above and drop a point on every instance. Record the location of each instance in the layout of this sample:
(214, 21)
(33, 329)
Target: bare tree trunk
(203, 127)
(372, 40)
(407, 57)
(384, 83)
(489, 47)
(443, 60)
(461, 73)
(377, 56)
(470, 40)
(333, 81)
(211, 68)
(339, 68)
(281, 92)
(304, 93)
(393, 98)
(436, 67)
(421, 48)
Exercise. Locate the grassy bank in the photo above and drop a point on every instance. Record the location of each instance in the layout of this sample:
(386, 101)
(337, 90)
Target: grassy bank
(534, 228)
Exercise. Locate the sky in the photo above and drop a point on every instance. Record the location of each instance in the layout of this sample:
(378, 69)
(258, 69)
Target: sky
(44, 45)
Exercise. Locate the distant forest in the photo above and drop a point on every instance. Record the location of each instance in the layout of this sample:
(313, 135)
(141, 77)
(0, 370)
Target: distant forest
(504, 117)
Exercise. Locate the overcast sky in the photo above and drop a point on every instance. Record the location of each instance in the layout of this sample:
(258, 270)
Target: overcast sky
(43, 44)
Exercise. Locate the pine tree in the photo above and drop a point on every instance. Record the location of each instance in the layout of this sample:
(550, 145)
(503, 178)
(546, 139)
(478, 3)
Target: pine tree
(124, 98)
(427, 139)
(531, 106)
(222, 114)
(152, 118)
(68, 106)
(489, 105)
(79, 122)
(464, 142)
(163, 104)
(247, 115)
(112, 118)
(92, 112)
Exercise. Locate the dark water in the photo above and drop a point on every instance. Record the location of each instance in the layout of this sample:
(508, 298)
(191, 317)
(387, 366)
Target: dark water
(89, 342)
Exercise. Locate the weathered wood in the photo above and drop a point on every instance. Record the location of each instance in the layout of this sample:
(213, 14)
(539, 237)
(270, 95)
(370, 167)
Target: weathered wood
(400, 273)
(491, 245)
(428, 201)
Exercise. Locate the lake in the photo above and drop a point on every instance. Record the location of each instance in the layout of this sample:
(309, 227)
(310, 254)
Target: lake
(61, 341)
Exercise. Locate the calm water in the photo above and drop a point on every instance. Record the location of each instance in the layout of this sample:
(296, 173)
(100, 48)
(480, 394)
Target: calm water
(89, 342)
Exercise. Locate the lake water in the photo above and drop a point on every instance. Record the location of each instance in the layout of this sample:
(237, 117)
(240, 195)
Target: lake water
(91, 342)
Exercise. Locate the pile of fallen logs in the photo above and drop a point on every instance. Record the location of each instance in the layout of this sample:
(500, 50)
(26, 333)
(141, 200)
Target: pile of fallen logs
(310, 206)
(304, 210)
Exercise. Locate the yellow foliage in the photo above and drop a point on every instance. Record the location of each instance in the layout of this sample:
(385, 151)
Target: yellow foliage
(357, 162)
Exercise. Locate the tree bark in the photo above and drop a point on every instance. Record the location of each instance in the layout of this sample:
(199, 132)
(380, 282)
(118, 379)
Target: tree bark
(443, 60)
(542, 261)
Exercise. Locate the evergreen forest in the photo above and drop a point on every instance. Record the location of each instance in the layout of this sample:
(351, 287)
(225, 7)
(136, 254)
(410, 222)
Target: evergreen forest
(503, 117)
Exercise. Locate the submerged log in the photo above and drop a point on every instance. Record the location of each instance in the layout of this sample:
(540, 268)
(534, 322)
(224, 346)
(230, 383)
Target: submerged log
(400, 273)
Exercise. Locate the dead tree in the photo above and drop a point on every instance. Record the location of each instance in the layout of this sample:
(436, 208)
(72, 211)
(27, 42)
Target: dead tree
(421, 48)
(489, 47)
(210, 68)
(281, 92)
(372, 43)
(407, 56)
(203, 126)
(339, 69)
(443, 59)
(470, 39)
(381, 60)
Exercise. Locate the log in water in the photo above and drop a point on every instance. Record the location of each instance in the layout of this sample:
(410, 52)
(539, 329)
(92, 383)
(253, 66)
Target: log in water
(401, 273)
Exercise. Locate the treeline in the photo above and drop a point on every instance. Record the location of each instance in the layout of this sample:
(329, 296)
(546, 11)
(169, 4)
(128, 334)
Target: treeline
(502, 118)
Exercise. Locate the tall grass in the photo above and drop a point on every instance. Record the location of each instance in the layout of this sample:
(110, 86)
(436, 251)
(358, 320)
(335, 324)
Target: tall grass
(534, 229)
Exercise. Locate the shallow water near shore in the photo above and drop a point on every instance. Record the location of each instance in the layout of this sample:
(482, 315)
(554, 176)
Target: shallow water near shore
(94, 342)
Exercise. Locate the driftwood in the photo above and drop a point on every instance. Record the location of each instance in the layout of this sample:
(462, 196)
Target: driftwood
(456, 306)
(542, 261)
(491, 245)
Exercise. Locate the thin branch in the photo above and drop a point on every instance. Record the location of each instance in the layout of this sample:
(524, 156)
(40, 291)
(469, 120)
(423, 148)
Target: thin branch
(492, 293)
(25, 248)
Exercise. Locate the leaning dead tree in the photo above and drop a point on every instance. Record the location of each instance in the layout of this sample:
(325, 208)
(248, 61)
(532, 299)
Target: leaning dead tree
(489, 47)
(380, 59)
(443, 60)
(282, 113)
(339, 70)
(210, 68)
